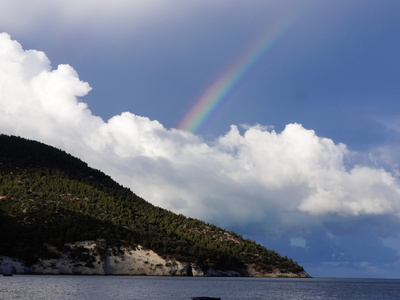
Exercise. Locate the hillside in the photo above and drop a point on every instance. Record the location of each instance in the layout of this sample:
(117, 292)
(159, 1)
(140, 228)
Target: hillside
(53, 206)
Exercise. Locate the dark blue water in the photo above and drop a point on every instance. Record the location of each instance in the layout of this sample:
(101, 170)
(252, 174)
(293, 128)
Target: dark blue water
(125, 287)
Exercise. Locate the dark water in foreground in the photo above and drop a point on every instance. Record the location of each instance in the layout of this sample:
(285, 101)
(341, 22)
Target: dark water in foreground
(125, 287)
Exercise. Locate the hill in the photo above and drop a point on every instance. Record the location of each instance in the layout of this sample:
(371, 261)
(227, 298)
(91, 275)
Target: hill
(58, 215)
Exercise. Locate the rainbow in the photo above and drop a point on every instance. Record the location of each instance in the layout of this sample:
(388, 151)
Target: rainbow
(215, 95)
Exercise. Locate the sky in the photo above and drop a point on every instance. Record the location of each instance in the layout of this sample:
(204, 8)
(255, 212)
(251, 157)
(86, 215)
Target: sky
(275, 119)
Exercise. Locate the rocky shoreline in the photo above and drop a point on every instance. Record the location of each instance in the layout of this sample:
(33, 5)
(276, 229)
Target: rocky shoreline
(87, 258)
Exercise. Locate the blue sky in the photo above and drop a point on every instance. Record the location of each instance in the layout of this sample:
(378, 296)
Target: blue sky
(302, 154)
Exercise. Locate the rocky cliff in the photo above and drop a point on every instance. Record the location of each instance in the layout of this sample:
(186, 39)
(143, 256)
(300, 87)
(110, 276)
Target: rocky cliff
(88, 258)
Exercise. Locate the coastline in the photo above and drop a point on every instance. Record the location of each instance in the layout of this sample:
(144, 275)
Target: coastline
(86, 258)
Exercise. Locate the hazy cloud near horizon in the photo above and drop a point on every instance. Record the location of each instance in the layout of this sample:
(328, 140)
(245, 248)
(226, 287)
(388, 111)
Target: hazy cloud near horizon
(290, 184)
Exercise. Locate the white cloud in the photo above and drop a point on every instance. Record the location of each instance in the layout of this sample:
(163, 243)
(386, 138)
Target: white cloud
(286, 183)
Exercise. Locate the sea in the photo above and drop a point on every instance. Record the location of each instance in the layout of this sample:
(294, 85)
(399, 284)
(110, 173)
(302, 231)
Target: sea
(136, 287)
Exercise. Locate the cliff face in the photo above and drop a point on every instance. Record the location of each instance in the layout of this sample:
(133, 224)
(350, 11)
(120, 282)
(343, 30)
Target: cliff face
(87, 258)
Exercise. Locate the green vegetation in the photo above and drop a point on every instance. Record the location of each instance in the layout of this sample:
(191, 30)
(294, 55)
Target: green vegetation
(48, 197)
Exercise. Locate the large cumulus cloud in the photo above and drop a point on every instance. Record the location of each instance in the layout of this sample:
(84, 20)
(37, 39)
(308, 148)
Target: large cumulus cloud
(291, 185)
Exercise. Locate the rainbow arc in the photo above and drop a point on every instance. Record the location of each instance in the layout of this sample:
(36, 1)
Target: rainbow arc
(217, 93)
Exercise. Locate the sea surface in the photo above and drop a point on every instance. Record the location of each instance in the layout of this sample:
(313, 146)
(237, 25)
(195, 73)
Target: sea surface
(137, 287)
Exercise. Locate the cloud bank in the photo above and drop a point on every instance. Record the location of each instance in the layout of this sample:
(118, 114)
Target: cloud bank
(291, 186)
